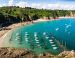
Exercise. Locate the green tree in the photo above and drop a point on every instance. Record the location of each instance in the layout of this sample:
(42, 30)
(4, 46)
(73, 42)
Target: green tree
(35, 17)
(2, 18)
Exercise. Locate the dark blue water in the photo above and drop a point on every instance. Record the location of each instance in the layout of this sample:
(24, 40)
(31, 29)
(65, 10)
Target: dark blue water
(62, 30)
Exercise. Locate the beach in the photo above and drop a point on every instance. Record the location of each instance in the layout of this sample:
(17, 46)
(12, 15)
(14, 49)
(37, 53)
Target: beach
(2, 32)
(22, 53)
(12, 26)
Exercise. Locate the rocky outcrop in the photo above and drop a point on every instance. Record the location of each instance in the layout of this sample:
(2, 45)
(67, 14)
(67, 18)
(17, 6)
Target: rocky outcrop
(24, 53)
(67, 54)
(14, 53)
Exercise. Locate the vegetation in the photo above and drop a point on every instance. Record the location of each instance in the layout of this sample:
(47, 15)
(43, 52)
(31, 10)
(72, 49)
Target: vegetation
(13, 14)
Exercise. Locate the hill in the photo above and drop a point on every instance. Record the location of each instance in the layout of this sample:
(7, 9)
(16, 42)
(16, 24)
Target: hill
(13, 14)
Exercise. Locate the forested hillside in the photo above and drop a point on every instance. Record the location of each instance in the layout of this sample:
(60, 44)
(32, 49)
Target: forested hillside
(13, 14)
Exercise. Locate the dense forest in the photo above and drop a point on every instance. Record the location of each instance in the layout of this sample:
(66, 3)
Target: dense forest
(13, 14)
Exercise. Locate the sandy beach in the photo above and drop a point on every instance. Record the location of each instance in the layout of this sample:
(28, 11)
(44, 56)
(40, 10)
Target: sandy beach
(22, 53)
(67, 17)
(2, 32)
(6, 29)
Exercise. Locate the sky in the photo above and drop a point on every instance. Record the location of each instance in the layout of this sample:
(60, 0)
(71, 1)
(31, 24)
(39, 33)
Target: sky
(39, 4)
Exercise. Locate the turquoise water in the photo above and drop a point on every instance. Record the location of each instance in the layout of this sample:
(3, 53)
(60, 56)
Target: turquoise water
(44, 37)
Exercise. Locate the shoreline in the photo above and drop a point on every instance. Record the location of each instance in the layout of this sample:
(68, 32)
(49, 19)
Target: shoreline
(10, 27)
(65, 53)
(41, 20)
(66, 17)
(2, 32)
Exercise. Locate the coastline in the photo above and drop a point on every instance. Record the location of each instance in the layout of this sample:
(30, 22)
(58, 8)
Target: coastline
(2, 32)
(10, 27)
(41, 20)
(66, 17)
(64, 54)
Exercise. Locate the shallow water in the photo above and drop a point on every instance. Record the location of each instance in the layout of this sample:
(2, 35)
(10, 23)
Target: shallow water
(44, 36)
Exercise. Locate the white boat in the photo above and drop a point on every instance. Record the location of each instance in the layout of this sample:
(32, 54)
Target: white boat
(36, 37)
(35, 34)
(37, 42)
(44, 33)
(50, 40)
(54, 45)
(47, 37)
(17, 38)
(26, 40)
(17, 34)
(55, 48)
(26, 33)
(39, 46)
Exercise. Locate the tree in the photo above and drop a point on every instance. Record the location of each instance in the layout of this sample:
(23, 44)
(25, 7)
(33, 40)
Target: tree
(15, 14)
(2, 18)
(35, 17)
